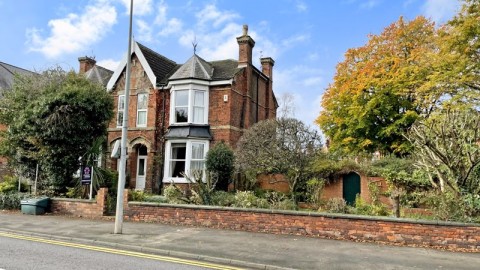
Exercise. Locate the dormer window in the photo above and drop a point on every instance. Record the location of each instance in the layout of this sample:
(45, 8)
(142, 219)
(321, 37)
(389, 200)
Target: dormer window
(189, 105)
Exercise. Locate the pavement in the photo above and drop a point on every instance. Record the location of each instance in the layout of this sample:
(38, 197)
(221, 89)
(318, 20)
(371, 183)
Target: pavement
(235, 248)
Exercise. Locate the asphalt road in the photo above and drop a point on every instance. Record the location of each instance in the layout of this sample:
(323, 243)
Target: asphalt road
(35, 253)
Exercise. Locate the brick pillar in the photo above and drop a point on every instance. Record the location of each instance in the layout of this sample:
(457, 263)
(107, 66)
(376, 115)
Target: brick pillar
(102, 200)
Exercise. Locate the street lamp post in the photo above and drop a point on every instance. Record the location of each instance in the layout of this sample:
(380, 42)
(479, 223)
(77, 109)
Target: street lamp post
(123, 152)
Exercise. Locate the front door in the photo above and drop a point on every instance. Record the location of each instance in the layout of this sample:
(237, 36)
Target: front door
(351, 187)
(141, 168)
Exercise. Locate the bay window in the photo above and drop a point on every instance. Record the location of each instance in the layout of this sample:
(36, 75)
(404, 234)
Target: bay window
(184, 156)
(189, 105)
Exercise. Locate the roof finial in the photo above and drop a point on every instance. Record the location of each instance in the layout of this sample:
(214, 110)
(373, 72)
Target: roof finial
(194, 43)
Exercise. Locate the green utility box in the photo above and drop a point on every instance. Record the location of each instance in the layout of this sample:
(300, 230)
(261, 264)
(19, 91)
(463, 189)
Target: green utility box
(35, 206)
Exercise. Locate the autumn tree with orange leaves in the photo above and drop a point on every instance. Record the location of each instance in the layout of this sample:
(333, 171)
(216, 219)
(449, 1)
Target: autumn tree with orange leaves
(375, 95)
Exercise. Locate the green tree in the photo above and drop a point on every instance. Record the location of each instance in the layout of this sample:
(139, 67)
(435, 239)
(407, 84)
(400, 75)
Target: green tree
(447, 148)
(286, 146)
(220, 161)
(52, 120)
(374, 96)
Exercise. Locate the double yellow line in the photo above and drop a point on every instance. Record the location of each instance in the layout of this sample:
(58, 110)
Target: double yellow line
(120, 252)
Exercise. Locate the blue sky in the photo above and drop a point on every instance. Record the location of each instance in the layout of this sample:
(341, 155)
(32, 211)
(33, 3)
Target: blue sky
(305, 38)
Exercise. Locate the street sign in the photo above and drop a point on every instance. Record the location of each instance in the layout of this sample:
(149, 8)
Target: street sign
(86, 178)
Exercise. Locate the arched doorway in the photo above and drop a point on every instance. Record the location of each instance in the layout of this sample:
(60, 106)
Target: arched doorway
(141, 167)
(351, 187)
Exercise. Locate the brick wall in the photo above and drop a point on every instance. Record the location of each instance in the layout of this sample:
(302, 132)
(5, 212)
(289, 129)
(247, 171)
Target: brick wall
(335, 189)
(359, 228)
(81, 208)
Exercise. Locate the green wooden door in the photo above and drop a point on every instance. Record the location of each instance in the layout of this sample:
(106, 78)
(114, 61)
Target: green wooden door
(351, 187)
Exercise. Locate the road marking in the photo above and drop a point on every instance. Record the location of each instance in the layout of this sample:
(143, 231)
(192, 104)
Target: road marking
(120, 252)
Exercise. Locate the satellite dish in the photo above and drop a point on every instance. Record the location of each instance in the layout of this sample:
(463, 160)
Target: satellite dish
(116, 150)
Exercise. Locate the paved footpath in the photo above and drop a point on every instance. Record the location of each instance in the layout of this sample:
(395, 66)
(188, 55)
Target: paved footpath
(244, 249)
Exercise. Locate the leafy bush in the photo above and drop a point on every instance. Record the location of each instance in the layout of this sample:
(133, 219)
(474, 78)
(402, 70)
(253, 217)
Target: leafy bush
(136, 196)
(222, 198)
(11, 201)
(10, 184)
(450, 207)
(220, 160)
(314, 190)
(373, 209)
(155, 198)
(173, 194)
(335, 205)
(278, 200)
(247, 199)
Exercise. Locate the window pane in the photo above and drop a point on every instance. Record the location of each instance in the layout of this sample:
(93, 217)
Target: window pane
(142, 118)
(119, 118)
(179, 151)
(198, 116)
(197, 165)
(142, 101)
(181, 98)
(181, 114)
(177, 168)
(141, 167)
(121, 102)
(197, 151)
(199, 98)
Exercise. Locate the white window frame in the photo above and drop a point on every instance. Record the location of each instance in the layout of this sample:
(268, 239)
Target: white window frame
(192, 89)
(188, 158)
(142, 110)
(120, 110)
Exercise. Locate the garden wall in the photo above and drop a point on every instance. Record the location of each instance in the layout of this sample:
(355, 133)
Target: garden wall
(81, 208)
(437, 234)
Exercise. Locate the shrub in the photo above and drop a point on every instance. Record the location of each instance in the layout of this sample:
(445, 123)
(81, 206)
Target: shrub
(335, 205)
(155, 198)
(247, 199)
(450, 207)
(222, 198)
(314, 190)
(173, 194)
(136, 196)
(220, 160)
(373, 209)
(10, 184)
(11, 201)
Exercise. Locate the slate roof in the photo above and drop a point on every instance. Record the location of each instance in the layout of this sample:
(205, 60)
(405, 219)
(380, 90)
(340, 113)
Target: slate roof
(160, 65)
(196, 68)
(7, 74)
(99, 74)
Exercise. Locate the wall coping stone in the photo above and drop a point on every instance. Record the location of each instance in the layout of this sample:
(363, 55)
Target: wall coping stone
(309, 213)
(93, 201)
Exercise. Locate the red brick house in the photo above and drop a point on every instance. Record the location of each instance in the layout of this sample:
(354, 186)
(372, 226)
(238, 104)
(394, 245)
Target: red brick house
(178, 111)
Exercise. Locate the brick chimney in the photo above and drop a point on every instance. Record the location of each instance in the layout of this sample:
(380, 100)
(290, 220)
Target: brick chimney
(267, 66)
(86, 63)
(245, 44)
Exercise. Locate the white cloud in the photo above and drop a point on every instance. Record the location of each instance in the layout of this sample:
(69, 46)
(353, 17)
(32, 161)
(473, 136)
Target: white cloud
(369, 4)
(440, 10)
(140, 7)
(172, 26)
(109, 64)
(210, 14)
(161, 17)
(74, 32)
(144, 30)
(301, 6)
